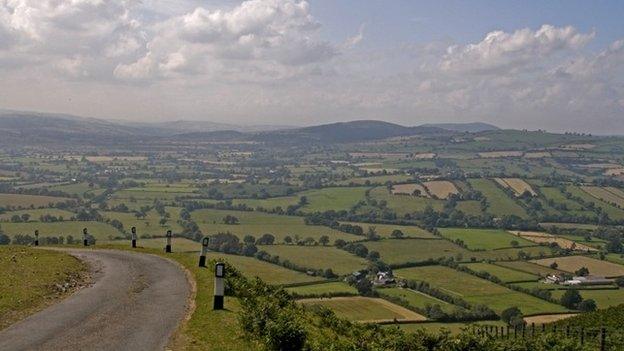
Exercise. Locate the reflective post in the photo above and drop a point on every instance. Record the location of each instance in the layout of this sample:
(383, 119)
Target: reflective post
(218, 286)
(202, 256)
(36, 237)
(134, 237)
(168, 247)
(85, 239)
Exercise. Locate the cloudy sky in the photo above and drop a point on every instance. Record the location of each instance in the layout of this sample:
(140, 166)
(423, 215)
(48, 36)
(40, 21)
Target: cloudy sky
(556, 65)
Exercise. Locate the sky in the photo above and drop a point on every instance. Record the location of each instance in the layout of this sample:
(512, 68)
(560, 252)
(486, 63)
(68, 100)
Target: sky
(554, 65)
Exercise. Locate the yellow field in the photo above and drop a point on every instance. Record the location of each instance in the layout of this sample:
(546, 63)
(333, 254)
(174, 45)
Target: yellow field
(441, 189)
(539, 238)
(408, 189)
(574, 263)
(614, 172)
(547, 318)
(607, 194)
(518, 185)
(496, 154)
(366, 309)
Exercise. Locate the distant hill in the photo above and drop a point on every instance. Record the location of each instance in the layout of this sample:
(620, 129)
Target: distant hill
(475, 127)
(346, 132)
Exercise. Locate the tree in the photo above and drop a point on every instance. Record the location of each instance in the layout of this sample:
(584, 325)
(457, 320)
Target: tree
(582, 272)
(588, 305)
(515, 243)
(249, 239)
(339, 243)
(571, 298)
(288, 239)
(163, 221)
(324, 240)
(25, 217)
(364, 287)
(620, 281)
(229, 219)
(4, 239)
(303, 201)
(266, 239)
(371, 234)
(554, 265)
(397, 234)
(511, 314)
(373, 256)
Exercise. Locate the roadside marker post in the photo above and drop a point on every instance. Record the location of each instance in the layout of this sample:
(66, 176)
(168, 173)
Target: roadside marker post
(202, 257)
(36, 237)
(134, 237)
(168, 246)
(85, 239)
(218, 286)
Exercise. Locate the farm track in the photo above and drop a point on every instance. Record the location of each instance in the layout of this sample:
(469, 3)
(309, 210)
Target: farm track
(135, 303)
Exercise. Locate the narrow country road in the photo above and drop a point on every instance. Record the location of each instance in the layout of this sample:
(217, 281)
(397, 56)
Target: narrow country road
(135, 303)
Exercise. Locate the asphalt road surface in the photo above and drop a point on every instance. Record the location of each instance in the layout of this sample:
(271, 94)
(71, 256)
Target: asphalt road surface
(135, 303)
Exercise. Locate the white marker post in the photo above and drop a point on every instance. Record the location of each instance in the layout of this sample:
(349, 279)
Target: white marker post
(168, 246)
(202, 257)
(134, 237)
(218, 286)
(36, 237)
(85, 239)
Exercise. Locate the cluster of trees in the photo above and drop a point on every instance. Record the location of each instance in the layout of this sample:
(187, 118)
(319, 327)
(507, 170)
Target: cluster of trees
(20, 239)
(572, 299)
(357, 249)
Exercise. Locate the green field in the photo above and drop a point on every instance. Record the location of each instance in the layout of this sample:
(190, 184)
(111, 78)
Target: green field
(478, 291)
(483, 239)
(603, 298)
(404, 204)
(258, 223)
(20, 201)
(360, 308)
(504, 274)
(417, 299)
(528, 267)
(384, 230)
(150, 224)
(470, 207)
(512, 254)
(317, 257)
(28, 278)
(612, 211)
(319, 200)
(36, 213)
(500, 204)
(99, 230)
(393, 251)
(323, 288)
(573, 263)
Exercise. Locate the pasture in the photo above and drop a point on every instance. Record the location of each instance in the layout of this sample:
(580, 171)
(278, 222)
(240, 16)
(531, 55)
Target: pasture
(545, 238)
(404, 204)
(258, 223)
(318, 200)
(604, 298)
(323, 288)
(518, 185)
(609, 195)
(35, 214)
(317, 257)
(612, 211)
(21, 201)
(574, 263)
(99, 230)
(499, 203)
(477, 291)
(365, 309)
(441, 189)
(506, 275)
(410, 189)
(384, 230)
(394, 251)
(417, 299)
(483, 239)
(528, 267)
(150, 225)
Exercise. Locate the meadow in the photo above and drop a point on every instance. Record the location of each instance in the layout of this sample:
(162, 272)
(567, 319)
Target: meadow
(365, 309)
(441, 189)
(22, 201)
(395, 251)
(150, 225)
(318, 200)
(483, 239)
(528, 267)
(99, 230)
(500, 204)
(417, 299)
(604, 298)
(607, 208)
(317, 257)
(478, 291)
(258, 223)
(385, 230)
(35, 214)
(323, 288)
(573, 263)
(504, 274)
(404, 204)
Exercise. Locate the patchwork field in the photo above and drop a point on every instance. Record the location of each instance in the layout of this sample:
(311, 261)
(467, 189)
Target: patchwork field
(612, 211)
(323, 288)
(609, 195)
(405, 204)
(507, 275)
(317, 257)
(574, 263)
(258, 223)
(604, 298)
(365, 309)
(384, 230)
(150, 225)
(20, 201)
(499, 203)
(546, 238)
(478, 291)
(441, 189)
(319, 200)
(518, 185)
(497, 154)
(483, 239)
(394, 251)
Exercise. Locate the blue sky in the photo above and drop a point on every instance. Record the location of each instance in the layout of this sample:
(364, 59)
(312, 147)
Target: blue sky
(555, 65)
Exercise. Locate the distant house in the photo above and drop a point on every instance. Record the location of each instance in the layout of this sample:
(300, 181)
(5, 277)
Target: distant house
(383, 279)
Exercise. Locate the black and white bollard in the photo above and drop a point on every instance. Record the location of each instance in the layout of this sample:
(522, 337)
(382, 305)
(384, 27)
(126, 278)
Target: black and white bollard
(202, 256)
(134, 237)
(85, 238)
(218, 286)
(168, 246)
(36, 237)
